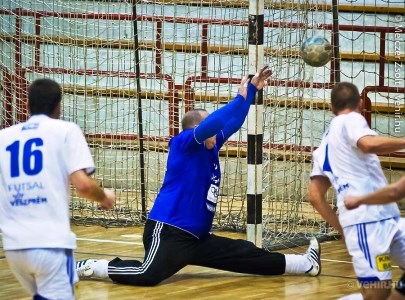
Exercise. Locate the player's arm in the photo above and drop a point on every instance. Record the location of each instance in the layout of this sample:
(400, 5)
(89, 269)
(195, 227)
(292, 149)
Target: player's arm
(390, 193)
(219, 118)
(248, 91)
(236, 121)
(361, 136)
(88, 188)
(380, 144)
(318, 187)
(236, 110)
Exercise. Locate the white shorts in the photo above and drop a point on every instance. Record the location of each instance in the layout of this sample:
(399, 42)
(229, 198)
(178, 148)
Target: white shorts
(49, 273)
(375, 247)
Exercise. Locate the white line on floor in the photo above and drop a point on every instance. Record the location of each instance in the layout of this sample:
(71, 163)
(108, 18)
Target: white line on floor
(140, 244)
(335, 260)
(109, 241)
(137, 236)
(343, 261)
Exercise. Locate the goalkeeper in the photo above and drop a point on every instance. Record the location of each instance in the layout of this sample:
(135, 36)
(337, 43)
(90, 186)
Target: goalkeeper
(177, 232)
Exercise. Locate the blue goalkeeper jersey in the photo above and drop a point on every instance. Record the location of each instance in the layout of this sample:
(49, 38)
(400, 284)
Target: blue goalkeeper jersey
(188, 196)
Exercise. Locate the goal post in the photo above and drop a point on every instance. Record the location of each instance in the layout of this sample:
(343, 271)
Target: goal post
(255, 127)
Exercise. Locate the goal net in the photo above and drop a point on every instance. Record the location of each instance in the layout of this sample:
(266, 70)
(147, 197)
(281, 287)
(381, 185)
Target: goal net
(193, 54)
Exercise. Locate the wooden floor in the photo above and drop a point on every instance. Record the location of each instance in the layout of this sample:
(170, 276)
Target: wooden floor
(192, 282)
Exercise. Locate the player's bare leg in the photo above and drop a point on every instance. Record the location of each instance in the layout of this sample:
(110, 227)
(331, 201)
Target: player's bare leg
(377, 290)
(399, 292)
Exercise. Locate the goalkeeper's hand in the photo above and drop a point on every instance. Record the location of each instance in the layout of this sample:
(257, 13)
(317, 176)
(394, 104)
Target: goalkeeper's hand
(262, 77)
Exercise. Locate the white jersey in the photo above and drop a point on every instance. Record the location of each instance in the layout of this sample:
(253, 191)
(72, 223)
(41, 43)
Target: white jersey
(36, 159)
(350, 170)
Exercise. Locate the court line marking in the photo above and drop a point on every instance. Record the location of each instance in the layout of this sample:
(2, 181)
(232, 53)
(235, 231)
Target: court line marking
(343, 261)
(109, 241)
(141, 244)
(108, 254)
(137, 236)
(336, 260)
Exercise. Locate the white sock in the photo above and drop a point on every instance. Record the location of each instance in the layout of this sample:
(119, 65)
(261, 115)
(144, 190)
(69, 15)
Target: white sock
(297, 264)
(100, 268)
(357, 296)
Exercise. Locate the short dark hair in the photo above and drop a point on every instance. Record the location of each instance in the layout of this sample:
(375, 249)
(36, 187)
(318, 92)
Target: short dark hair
(43, 96)
(344, 95)
(192, 118)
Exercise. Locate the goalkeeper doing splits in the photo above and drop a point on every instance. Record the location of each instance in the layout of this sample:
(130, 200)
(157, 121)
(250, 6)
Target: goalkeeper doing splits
(177, 232)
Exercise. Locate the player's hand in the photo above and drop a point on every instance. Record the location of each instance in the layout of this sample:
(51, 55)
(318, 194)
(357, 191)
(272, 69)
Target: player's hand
(242, 89)
(262, 77)
(351, 202)
(108, 201)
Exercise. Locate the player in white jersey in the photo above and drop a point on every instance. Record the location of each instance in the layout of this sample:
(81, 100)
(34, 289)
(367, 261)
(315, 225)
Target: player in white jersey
(391, 193)
(37, 160)
(347, 160)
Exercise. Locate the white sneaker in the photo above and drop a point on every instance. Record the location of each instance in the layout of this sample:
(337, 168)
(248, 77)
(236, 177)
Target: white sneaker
(314, 255)
(84, 269)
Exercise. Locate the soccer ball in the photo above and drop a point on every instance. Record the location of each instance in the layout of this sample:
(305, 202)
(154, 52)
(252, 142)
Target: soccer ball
(316, 51)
